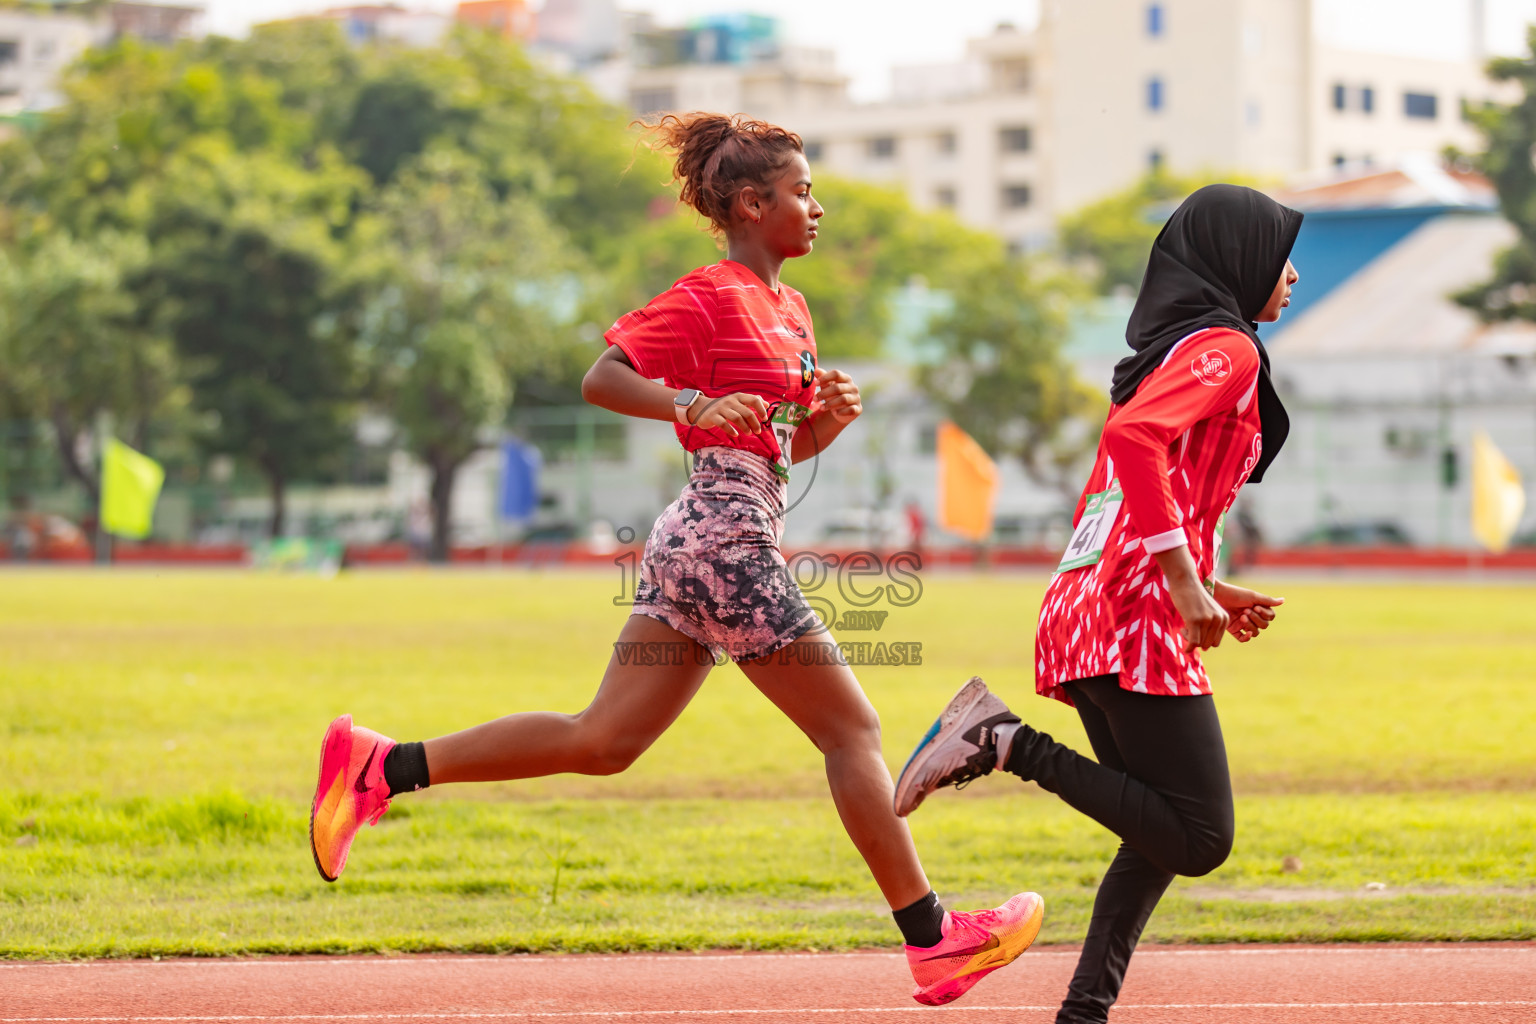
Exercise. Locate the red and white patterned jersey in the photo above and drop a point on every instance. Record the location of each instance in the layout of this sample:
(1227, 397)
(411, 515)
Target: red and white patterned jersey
(1180, 449)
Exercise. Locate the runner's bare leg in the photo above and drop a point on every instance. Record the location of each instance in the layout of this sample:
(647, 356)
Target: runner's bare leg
(634, 705)
(830, 707)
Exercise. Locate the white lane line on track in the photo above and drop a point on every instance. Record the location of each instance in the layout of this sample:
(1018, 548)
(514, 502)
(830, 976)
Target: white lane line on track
(577, 958)
(574, 1014)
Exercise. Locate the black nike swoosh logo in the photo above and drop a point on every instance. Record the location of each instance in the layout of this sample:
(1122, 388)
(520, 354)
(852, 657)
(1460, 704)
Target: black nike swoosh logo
(360, 785)
(798, 332)
(990, 944)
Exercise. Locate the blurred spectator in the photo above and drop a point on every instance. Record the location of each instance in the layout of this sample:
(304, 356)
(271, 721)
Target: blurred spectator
(1248, 537)
(418, 529)
(917, 525)
(20, 536)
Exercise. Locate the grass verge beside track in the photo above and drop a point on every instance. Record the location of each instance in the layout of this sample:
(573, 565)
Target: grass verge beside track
(158, 736)
(224, 874)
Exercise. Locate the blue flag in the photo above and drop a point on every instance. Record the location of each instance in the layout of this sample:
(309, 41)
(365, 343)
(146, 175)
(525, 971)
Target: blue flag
(519, 480)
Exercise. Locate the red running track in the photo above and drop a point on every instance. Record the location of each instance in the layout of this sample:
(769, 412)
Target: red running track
(1385, 984)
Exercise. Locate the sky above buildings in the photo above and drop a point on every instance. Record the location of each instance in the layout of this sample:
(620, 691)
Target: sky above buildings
(924, 32)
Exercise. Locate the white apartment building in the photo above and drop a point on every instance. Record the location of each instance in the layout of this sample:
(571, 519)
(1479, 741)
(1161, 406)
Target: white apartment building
(1213, 85)
(35, 48)
(969, 137)
(797, 78)
(38, 45)
(1034, 123)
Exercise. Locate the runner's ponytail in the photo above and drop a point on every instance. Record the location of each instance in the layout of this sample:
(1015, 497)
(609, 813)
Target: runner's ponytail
(718, 154)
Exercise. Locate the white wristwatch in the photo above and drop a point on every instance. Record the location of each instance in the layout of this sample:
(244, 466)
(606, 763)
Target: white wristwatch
(683, 402)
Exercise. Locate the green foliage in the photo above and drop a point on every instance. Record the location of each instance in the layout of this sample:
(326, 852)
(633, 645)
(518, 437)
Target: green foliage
(1113, 235)
(267, 185)
(466, 295)
(1510, 134)
(873, 242)
(245, 278)
(1002, 376)
(75, 345)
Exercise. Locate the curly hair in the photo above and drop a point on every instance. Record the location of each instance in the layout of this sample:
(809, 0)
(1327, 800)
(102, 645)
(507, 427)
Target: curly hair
(718, 154)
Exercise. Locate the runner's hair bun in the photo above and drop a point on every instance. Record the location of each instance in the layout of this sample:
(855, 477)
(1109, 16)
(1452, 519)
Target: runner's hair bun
(718, 154)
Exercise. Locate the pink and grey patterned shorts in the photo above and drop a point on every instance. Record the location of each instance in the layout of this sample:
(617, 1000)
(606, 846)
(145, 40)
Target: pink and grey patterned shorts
(712, 568)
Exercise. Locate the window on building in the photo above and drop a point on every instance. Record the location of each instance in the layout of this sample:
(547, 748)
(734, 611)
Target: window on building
(946, 143)
(42, 51)
(1367, 99)
(945, 196)
(1155, 98)
(1154, 20)
(10, 51)
(813, 150)
(882, 147)
(1010, 75)
(1253, 113)
(650, 101)
(1422, 106)
(1340, 96)
(1339, 160)
(1014, 140)
(1015, 197)
(1154, 160)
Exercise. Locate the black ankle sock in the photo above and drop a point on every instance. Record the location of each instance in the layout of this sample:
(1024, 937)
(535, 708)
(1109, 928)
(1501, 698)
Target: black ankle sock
(405, 768)
(1021, 755)
(922, 924)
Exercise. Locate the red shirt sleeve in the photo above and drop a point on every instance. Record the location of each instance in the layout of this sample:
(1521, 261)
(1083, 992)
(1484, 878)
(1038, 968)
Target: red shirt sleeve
(663, 341)
(1211, 373)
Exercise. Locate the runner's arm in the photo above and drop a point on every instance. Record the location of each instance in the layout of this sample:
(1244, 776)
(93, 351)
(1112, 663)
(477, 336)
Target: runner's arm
(1173, 399)
(613, 384)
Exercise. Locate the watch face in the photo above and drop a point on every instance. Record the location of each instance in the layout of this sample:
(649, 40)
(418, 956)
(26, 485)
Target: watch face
(686, 397)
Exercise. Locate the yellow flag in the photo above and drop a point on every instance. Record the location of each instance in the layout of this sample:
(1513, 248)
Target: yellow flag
(967, 484)
(1498, 500)
(130, 484)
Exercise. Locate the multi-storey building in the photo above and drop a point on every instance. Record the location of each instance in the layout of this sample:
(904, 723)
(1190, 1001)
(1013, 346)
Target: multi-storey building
(38, 44)
(1034, 123)
(1234, 85)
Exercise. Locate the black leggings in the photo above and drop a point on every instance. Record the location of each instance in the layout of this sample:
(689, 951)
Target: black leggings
(1161, 784)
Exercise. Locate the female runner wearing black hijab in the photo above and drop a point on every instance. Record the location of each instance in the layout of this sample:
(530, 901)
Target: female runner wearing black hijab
(1134, 599)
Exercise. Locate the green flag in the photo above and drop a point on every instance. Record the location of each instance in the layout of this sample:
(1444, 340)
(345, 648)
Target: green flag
(130, 483)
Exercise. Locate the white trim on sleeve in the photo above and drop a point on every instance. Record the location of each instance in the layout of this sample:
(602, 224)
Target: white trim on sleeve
(1173, 538)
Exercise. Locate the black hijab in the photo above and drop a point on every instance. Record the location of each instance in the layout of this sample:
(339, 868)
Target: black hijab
(1214, 264)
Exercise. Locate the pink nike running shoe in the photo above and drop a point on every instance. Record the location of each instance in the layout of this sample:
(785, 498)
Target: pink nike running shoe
(974, 945)
(351, 790)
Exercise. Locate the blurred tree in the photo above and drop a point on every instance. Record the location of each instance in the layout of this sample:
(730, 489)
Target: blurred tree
(1510, 134)
(468, 292)
(76, 348)
(1003, 378)
(246, 276)
(1113, 235)
(874, 242)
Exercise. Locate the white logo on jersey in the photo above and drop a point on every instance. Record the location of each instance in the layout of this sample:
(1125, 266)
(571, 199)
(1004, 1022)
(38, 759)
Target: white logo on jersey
(1211, 368)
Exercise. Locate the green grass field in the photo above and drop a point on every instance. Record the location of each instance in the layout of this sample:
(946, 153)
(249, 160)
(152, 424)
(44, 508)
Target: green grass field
(160, 732)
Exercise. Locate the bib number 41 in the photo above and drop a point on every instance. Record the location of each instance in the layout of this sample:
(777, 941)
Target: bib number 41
(1099, 514)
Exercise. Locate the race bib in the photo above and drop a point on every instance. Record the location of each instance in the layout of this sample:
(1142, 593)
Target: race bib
(1221, 525)
(784, 421)
(1099, 513)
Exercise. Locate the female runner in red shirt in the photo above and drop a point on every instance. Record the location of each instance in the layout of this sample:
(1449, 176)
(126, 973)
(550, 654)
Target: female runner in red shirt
(737, 355)
(1134, 600)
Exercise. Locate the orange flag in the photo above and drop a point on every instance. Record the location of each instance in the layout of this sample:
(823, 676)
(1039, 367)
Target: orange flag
(967, 484)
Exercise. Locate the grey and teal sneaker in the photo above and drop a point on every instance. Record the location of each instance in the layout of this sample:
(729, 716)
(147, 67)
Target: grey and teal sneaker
(958, 748)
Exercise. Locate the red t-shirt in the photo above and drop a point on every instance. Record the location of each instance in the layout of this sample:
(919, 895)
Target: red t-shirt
(1180, 449)
(722, 330)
